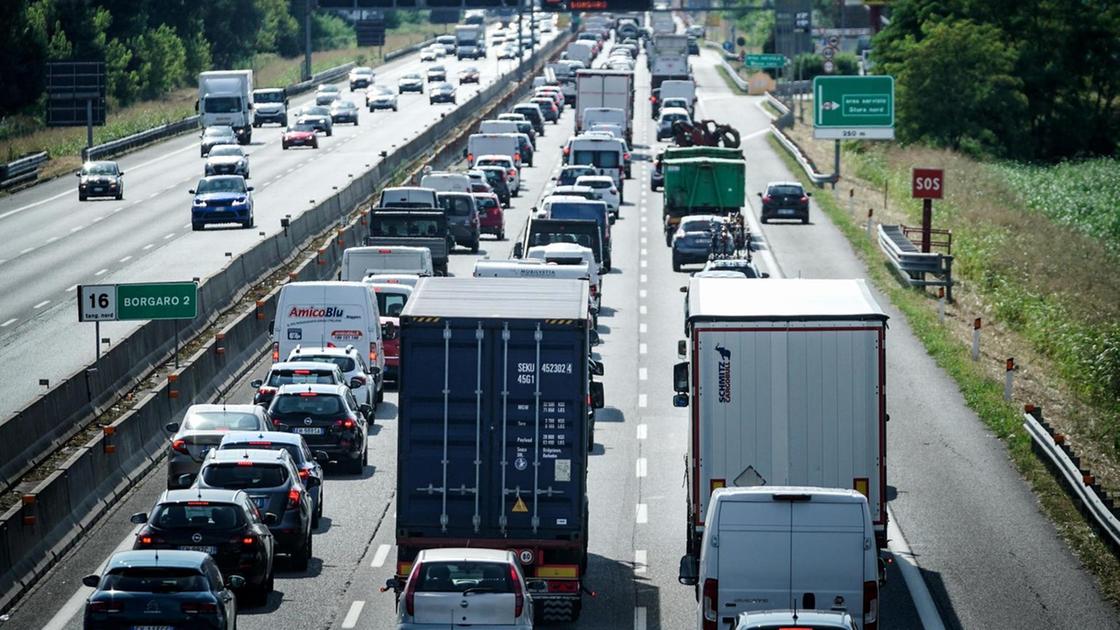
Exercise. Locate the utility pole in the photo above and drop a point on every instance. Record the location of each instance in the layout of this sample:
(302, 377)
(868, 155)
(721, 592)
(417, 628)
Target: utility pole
(307, 39)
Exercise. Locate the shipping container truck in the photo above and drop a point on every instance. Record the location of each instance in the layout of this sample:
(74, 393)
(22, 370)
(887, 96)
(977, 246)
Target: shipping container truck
(784, 381)
(225, 97)
(605, 88)
(495, 395)
(701, 185)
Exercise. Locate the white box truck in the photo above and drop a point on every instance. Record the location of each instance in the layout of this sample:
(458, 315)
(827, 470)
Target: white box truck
(668, 59)
(359, 262)
(605, 88)
(469, 41)
(225, 97)
(784, 382)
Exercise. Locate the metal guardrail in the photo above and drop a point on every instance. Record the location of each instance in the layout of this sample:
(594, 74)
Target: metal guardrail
(806, 164)
(1093, 500)
(22, 170)
(739, 81)
(115, 147)
(913, 265)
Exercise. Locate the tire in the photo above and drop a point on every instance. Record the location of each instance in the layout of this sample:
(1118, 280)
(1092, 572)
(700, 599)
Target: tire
(394, 108)
(252, 221)
(355, 466)
(502, 234)
(82, 197)
(120, 196)
(301, 557)
(330, 132)
(379, 397)
(474, 246)
(319, 508)
(763, 220)
(805, 221)
(284, 146)
(676, 264)
(197, 226)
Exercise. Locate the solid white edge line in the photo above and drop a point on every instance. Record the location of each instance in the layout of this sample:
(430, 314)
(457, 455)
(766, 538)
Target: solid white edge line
(352, 615)
(908, 566)
(380, 556)
(640, 618)
(77, 601)
(8, 323)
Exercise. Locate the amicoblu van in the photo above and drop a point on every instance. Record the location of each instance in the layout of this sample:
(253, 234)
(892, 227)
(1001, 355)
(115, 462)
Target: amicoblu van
(330, 314)
(359, 262)
(785, 548)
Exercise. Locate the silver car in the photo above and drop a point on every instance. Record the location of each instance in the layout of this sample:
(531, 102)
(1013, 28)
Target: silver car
(201, 430)
(213, 136)
(381, 97)
(227, 159)
(479, 588)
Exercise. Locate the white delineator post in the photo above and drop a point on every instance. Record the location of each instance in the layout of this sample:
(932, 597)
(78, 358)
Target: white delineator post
(1008, 378)
(976, 339)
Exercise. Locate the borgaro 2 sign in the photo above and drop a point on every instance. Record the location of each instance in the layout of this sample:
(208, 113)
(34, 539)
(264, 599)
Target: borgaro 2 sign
(143, 301)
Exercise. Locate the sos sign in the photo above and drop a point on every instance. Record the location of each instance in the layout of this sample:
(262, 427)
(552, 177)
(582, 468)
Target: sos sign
(927, 183)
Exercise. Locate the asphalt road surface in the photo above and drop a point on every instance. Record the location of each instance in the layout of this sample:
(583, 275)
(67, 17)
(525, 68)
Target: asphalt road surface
(984, 555)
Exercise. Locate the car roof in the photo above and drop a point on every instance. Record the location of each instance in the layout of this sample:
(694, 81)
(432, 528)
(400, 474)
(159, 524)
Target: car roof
(278, 437)
(385, 287)
(478, 554)
(237, 408)
(217, 495)
(214, 178)
(168, 558)
(303, 365)
(254, 455)
(98, 163)
(574, 249)
(798, 184)
(317, 388)
(562, 191)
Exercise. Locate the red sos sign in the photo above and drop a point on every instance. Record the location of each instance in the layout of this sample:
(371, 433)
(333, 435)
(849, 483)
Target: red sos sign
(927, 183)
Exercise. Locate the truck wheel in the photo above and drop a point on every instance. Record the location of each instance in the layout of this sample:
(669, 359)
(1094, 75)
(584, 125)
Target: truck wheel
(474, 246)
(676, 265)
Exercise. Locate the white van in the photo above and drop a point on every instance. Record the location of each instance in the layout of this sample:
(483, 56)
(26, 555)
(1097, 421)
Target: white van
(679, 88)
(498, 126)
(446, 182)
(479, 144)
(782, 548)
(407, 279)
(572, 254)
(606, 154)
(608, 115)
(327, 314)
(573, 269)
(408, 197)
(359, 262)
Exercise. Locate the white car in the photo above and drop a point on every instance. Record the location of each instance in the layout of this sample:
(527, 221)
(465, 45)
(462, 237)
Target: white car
(361, 77)
(429, 53)
(381, 97)
(604, 187)
(227, 159)
(667, 117)
(465, 587)
(513, 176)
(815, 619)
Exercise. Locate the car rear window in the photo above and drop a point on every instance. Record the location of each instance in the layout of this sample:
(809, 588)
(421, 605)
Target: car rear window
(457, 577)
(265, 445)
(297, 376)
(196, 515)
(346, 364)
(221, 421)
(597, 184)
(601, 159)
(244, 475)
(785, 190)
(404, 226)
(493, 162)
(391, 304)
(455, 205)
(308, 403)
(154, 580)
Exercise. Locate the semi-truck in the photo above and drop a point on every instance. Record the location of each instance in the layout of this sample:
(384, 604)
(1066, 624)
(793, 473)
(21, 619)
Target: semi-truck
(668, 59)
(784, 382)
(605, 88)
(469, 42)
(495, 386)
(225, 97)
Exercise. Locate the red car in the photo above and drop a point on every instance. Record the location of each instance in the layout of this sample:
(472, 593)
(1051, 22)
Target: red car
(391, 299)
(301, 134)
(491, 219)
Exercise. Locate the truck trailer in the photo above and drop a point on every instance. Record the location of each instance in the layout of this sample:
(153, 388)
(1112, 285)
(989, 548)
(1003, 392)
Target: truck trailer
(784, 381)
(612, 89)
(495, 389)
(225, 97)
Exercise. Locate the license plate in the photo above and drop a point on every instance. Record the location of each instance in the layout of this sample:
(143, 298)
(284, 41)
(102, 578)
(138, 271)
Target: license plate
(98, 189)
(308, 430)
(209, 549)
(152, 628)
(786, 211)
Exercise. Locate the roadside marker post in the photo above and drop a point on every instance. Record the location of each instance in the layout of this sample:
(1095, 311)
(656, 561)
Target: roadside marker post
(941, 305)
(976, 339)
(1008, 378)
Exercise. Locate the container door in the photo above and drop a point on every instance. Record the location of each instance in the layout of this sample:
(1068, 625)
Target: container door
(754, 556)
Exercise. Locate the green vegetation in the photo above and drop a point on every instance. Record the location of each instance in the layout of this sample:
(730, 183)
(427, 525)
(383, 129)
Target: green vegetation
(1021, 80)
(809, 65)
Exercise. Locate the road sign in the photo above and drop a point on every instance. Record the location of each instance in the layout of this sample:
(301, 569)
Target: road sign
(620, 6)
(829, 52)
(76, 93)
(853, 107)
(97, 303)
(157, 300)
(828, 66)
(927, 183)
(766, 61)
(371, 32)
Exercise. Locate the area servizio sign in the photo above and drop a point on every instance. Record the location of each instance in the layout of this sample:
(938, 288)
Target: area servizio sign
(766, 61)
(853, 107)
(140, 301)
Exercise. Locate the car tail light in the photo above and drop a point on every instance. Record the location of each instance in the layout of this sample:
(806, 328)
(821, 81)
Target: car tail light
(180, 446)
(304, 473)
(470, 158)
(345, 423)
(518, 596)
(196, 608)
(145, 540)
(512, 173)
(410, 590)
(293, 498)
(870, 605)
(372, 352)
(245, 463)
(709, 603)
(653, 99)
(275, 421)
(766, 199)
(105, 607)
(249, 540)
(567, 150)
(517, 156)
(804, 199)
(626, 156)
(276, 351)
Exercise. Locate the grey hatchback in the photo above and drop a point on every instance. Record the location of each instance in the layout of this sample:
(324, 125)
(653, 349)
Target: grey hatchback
(201, 430)
(462, 218)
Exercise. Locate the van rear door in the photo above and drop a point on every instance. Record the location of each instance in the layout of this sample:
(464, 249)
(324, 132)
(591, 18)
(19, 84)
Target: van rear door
(753, 565)
(832, 529)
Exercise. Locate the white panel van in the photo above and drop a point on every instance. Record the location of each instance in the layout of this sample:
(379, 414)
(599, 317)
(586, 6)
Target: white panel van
(359, 262)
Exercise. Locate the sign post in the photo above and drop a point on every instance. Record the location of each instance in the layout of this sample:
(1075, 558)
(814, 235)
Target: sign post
(141, 301)
(853, 107)
(927, 184)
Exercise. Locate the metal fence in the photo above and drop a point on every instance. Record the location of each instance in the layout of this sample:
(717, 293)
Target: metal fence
(25, 169)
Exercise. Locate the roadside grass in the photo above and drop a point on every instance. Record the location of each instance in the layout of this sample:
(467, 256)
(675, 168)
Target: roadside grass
(64, 144)
(983, 394)
(726, 76)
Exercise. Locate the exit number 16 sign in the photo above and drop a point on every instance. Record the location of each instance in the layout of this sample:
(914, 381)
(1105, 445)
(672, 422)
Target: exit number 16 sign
(927, 183)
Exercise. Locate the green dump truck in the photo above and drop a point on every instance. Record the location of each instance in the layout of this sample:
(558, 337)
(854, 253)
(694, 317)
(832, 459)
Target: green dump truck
(702, 185)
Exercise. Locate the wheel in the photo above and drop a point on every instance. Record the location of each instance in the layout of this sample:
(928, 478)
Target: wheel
(394, 108)
(355, 122)
(284, 146)
(668, 238)
(330, 132)
(120, 196)
(805, 221)
(502, 234)
(431, 102)
(301, 557)
(82, 197)
(284, 122)
(474, 246)
(676, 265)
(319, 507)
(355, 466)
(252, 222)
(764, 219)
(379, 397)
(197, 226)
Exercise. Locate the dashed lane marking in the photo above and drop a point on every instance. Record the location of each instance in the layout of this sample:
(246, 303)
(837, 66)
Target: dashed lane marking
(643, 374)
(352, 615)
(41, 304)
(8, 323)
(26, 251)
(642, 348)
(642, 328)
(643, 431)
(125, 259)
(101, 272)
(51, 240)
(380, 556)
(640, 618)
(643, 514)
(168, 235)
(71, 288)
(148, 246)
(643, 400)
(75, 229)
(640, 467)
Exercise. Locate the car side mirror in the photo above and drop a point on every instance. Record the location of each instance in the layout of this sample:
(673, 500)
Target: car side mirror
(185, 479)
(270, 519)
(598, 397)
(79, 175)
(356, 382)
(190, 192)
(688, 573)
(121, 174)
(595, 339)
(680, 377)
(138, 518)
(235, 582)
(596, 367)
(759, 194)
(249, 188)
(256, 384)
(682, 348)
(322, 457)
(311, 482)
(808, 194)
(91, 580)
(764, 274)
(394, 584)
(171, 427)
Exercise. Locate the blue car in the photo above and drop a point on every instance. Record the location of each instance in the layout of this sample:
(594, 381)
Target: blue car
(167, 588)
(222, 199)
(692, 242)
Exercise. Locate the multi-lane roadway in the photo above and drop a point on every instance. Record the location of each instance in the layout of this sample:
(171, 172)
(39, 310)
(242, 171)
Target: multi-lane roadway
(982, 554)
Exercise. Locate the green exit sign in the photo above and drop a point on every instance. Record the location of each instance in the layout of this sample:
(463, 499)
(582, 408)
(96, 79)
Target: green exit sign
(766, 61)
(853, 107)
(157, 300)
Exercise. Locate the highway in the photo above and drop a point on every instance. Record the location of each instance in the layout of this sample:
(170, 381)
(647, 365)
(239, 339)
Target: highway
(988, 558)
(52, 242)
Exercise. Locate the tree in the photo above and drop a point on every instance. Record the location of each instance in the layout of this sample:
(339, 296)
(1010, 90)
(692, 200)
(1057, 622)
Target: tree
(956, 88)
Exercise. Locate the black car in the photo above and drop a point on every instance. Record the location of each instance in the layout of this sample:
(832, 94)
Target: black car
(532, 113)
(526, 127)
(100, 179)
(344, 112)
(170, 589)
(496, 177)
(693, 46)
(328, 417)
(273, 484)
(222, 523)
(462, 218)
(309, 464)
(785, 200)
(442, 93)
(526, 149)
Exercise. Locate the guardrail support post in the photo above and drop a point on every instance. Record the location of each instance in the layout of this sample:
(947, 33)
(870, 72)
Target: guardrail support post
(976, 339)
(941, 305)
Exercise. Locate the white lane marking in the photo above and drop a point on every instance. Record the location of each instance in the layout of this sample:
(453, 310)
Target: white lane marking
(102, 272)
(51, 240)
(642, 293)
(643, 228)
(642, 328)
(148, 246)
(125, 259)
(643, 263)
(642, 310)
(116, 210)
(640, 467)
(77, 601)
(644, 240)
(26, 251)
(923, 602)
(643, 278)
(33, 205)
(97, 219)
(352, 615)
(640, 618)
(639, 562)
(380, 556)
(643, 374)
(643, 252)
(186, 225)
(71, 288)
(41, 304)
(643, 514)
(643, 400)
(8, 323)
(643, 348)
(168, 235)
(153, 195)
